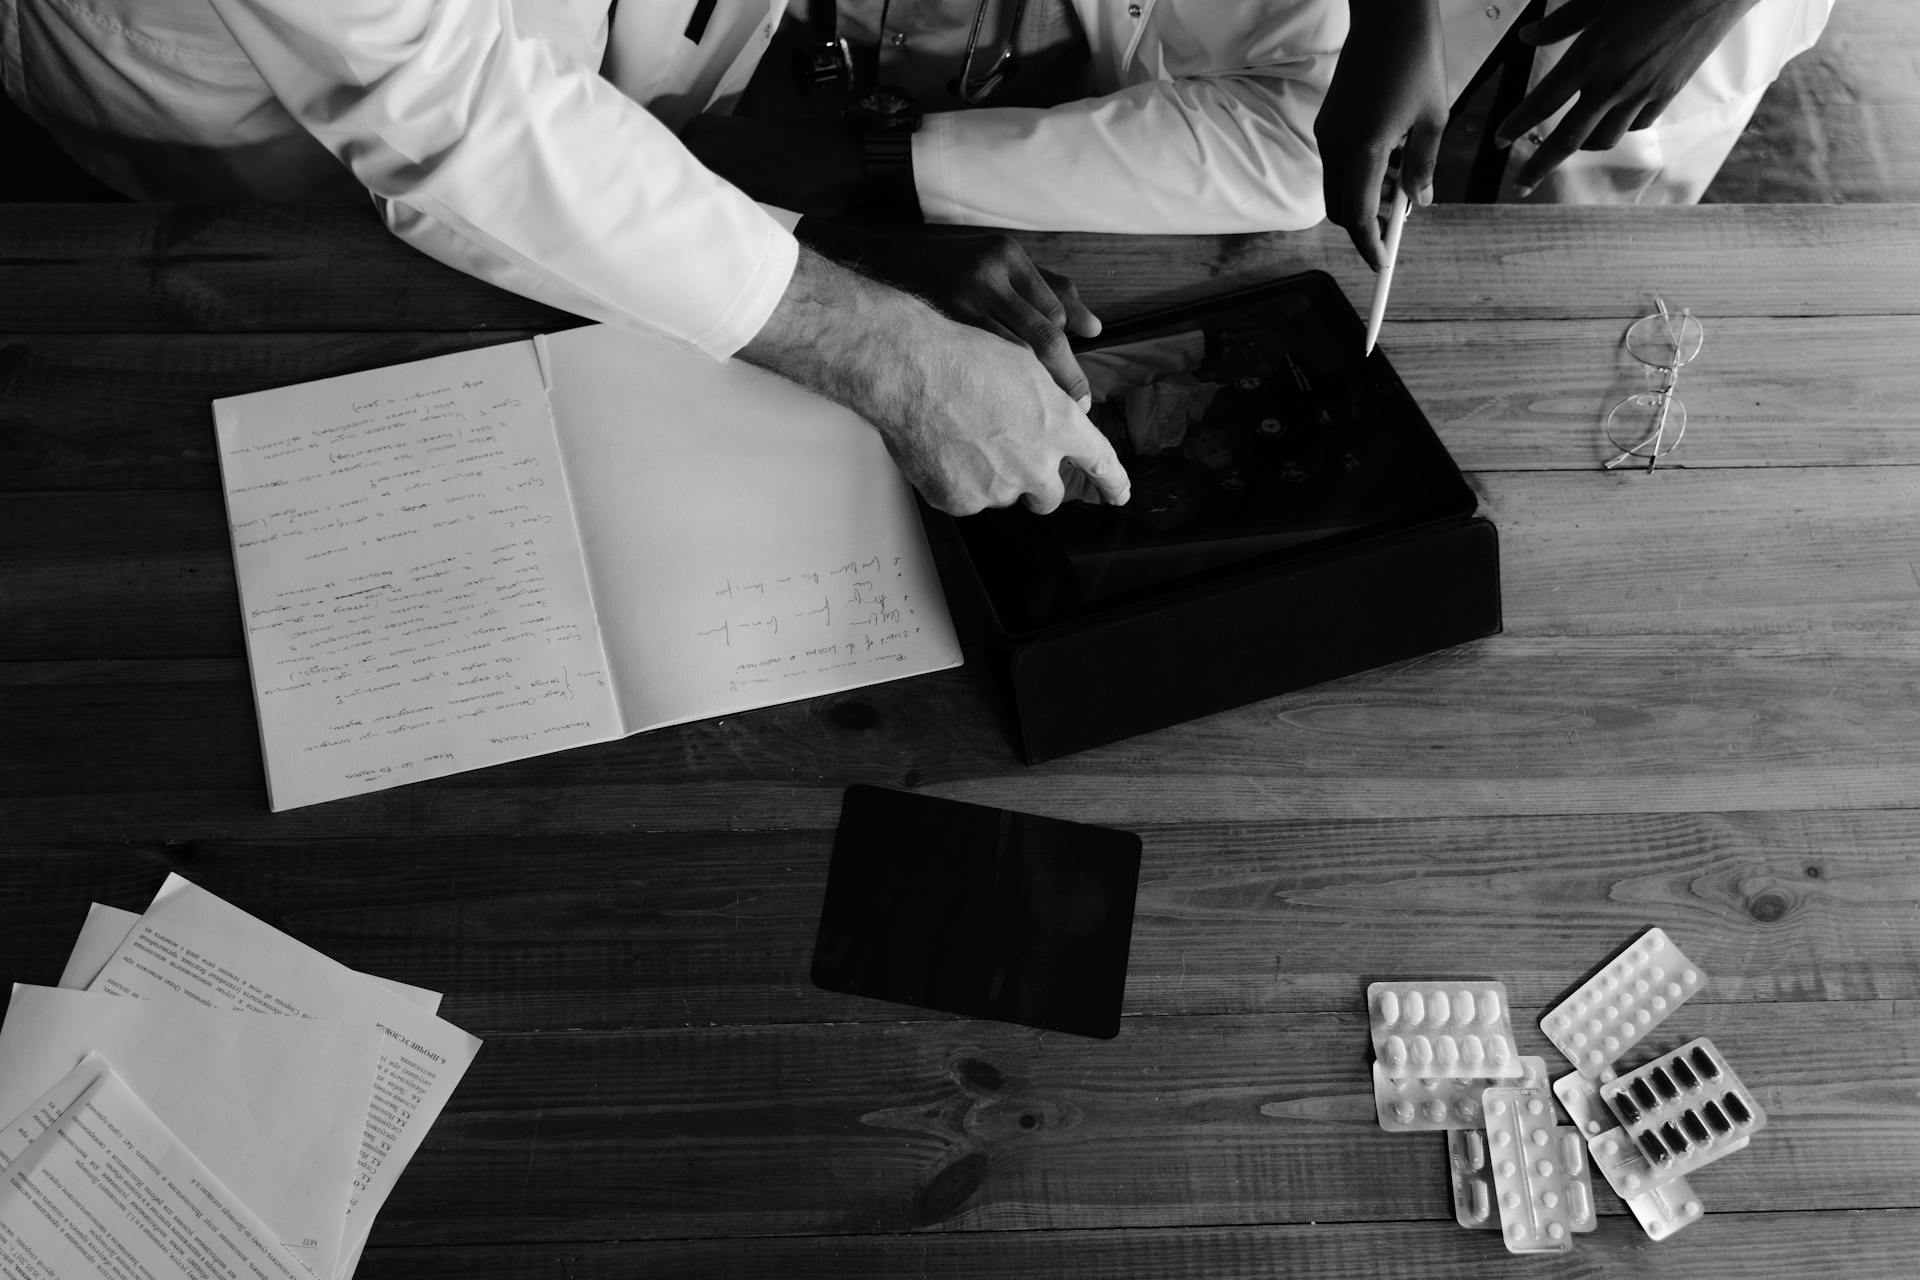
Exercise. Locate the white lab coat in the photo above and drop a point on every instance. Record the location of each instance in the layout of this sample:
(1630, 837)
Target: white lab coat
(491, 143)
(504, 137)
(1674, 160)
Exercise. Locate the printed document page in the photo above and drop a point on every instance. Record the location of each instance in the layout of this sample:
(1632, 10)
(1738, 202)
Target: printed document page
(749, 542)
(107, 927)
(106, 1190)
(410, 576)
(192, 946)
(273, 1105)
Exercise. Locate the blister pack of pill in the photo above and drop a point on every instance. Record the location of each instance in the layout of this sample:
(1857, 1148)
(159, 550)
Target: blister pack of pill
(1684, 1109)
(1637, 991)
(1580, 1098)
(1662, 1208)
(1419, 1104)
(1541, 1182)
(1442, 1031)
(1472, 1171)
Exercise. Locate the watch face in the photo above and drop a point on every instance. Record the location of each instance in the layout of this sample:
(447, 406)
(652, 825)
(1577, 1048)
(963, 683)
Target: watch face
(884, 107)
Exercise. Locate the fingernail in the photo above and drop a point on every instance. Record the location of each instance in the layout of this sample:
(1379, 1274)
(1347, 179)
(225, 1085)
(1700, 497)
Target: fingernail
(1521, 190)
(1094, 331)
(1084, 403)
(1502, 141)
(1426, 195)
(1125, 498)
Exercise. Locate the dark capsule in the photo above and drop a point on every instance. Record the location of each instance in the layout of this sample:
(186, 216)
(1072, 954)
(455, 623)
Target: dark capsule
(1716, 1118)
(1674, 1138)
(1704, 1060)
(1663, 1083)
(1656, 1152)
(1684, 1074)
(1643, 1092)
(1623, 1103)
(1695, 1128)
(1738, 1109)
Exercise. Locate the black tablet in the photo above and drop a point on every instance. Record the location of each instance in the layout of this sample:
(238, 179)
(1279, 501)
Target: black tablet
(978, 911)
(1254, 431)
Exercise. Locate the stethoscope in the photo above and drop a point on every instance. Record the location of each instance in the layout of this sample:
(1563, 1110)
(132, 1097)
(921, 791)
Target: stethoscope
(975, 89)
(828, 59)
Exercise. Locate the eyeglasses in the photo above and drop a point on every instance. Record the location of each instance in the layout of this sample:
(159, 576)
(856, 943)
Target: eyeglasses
(1648, 424)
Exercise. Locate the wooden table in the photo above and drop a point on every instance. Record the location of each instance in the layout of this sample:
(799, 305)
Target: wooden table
(1704, 713)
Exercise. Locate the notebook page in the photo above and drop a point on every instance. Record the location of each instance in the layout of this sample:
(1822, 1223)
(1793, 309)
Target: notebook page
(749, 543)
(410, 576)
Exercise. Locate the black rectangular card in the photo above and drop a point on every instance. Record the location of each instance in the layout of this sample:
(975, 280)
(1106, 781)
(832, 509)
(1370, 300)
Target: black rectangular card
(979, 911)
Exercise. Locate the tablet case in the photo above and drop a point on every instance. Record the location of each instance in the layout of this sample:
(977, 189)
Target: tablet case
(1307, 525)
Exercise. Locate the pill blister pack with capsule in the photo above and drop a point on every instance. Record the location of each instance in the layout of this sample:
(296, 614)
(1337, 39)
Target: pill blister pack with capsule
(1661, 1209)
(1644, 1130)
(1684, 1109)
(1420, 1104)
(1435, 1031)
(1636, 992)
(1540, 1178)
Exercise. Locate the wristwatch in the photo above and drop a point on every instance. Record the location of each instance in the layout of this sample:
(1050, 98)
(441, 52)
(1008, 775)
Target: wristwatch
(883, 121)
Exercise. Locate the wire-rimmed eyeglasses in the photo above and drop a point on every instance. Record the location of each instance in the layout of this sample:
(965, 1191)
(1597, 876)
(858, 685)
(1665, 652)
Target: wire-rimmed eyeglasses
(1648, 424)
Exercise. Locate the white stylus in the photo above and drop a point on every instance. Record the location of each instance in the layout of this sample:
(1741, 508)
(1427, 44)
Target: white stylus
(1396, 222)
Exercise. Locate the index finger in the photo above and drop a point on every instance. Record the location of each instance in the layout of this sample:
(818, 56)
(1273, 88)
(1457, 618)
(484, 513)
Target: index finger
(1094, 455)
(1353, 202)
(1541, 102)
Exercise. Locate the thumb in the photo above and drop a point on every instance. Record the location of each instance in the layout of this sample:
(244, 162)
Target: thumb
(1419, 157)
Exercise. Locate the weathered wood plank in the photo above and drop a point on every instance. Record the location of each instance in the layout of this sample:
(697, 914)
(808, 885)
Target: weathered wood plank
(1507, 725)
(119, 411)
(588, 926)
(1784, 1245)
(264, 268)
(1737, 553)
(1189, 1121)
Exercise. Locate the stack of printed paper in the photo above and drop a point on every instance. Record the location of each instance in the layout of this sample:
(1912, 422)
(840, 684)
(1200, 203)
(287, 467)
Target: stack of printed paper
(204, 1096)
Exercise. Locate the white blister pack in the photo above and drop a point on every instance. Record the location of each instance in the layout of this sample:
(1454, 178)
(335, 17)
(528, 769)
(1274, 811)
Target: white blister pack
(1636, 992)
(1442, 1030)
(1580, 1098)
(1420, 1104)
(1541, 1182)
(1472, 1171)
(1662, 1208)
(1684, 1109)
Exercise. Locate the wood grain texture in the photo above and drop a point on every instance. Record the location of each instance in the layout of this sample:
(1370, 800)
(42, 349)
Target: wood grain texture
(1685, 551)
(1753, 1246)
(123, 411)
(666, 929)
(1186, 1121)
(133, 268)
(1704, 712)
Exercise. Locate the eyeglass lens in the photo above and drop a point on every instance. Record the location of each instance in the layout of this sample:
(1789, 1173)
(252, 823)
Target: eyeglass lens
(1650, 423)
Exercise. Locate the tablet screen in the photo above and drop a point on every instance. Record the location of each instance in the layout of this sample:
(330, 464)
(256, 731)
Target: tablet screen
(1253, 431)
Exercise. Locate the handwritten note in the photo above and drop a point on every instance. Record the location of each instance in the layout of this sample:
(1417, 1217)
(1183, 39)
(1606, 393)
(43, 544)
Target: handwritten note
(497, 554)
(783, 553)
(415, 599)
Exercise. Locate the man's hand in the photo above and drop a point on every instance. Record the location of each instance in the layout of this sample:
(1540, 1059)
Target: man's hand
(972, 419)
(981, 278)
(809, 166)
(1390, 85)
(1629, 59)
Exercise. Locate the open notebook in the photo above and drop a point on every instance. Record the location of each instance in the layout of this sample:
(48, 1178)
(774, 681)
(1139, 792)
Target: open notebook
(519, 549)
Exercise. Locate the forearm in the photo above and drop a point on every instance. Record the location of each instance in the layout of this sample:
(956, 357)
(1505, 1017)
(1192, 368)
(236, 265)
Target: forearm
(508, 159)
(1216, 153)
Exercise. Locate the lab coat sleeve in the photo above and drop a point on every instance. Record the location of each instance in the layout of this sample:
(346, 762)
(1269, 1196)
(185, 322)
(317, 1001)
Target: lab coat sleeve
(1201, 154)
(493, 153)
